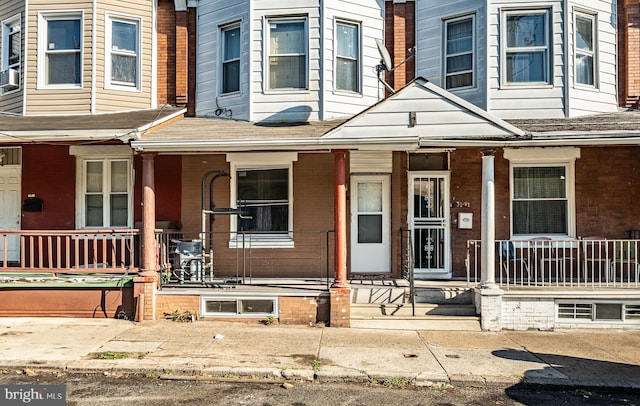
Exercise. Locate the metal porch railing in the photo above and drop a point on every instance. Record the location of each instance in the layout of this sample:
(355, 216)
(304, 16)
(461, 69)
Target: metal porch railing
(582, 263)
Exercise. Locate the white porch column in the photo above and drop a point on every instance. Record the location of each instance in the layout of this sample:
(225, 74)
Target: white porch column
(488, 225)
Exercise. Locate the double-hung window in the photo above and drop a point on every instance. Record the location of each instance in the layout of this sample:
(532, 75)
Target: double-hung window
(347, 56)
(122, 53)
(287, 53)
(459, 52)
(11, 53)
(230, 58)
(542, 191)
(60, 56)
(526, 37)
(585, 34)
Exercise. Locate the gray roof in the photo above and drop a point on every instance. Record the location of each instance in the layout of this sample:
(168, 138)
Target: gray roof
(621, 121)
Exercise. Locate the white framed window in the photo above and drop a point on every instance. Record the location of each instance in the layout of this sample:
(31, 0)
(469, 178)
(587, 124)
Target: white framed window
(459, 49)
(526, 55)
(122, 53)
(347, 61)
(262, 188)
(230, 58)
(542, 191)
(287, 50)
(104, 185)
(11, 53)
(60, 50)
(585, 49)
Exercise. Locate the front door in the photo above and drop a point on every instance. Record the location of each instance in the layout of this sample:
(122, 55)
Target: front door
(9, 210)
(429, 226)
(370, 224)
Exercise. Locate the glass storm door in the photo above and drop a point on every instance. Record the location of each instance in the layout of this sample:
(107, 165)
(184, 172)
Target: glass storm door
(370, 225)
(428, 215)
(9, 210)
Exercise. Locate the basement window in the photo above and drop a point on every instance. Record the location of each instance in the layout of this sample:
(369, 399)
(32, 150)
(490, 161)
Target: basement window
(599, 312)
(238, 307)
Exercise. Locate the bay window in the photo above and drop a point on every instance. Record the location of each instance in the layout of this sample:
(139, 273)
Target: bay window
(123, 52)
(585, 49)
(287, 53)
(60, 52)
(527, 49)
(347, 56)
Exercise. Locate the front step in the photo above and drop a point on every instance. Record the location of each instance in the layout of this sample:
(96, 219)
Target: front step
(427, 317)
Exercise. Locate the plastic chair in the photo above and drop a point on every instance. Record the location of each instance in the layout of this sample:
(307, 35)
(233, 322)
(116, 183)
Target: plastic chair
(508, 255)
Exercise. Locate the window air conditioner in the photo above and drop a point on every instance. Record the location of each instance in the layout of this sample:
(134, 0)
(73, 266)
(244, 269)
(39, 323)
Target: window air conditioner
(9, 79)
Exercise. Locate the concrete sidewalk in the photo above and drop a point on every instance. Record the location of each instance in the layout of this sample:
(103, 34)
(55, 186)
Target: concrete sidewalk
(604, 358)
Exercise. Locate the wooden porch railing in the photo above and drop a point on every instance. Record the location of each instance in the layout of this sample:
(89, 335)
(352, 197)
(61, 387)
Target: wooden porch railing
(585, 263)
(69, 251)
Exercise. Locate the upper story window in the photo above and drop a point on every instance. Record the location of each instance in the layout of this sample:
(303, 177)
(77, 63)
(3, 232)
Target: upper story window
(347, 56)
(11, 54)
(459, 52)
(526, 55)
(585, 35)
(287, 53)
(122, 53)
(60, 55)
(230, 58)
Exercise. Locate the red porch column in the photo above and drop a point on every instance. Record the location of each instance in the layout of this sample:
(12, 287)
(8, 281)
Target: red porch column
(340, 292)
(145, 283)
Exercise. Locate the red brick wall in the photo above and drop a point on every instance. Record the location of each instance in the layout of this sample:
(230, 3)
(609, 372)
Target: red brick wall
(628, 52)
(166, 38)
(304, 310)
(399, 39)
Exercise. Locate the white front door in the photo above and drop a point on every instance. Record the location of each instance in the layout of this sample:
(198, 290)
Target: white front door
(428, 222)
(370, 224)
(9, 209)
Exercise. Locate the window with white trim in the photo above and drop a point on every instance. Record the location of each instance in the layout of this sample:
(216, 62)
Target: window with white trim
(526, 56)
(347, 56)
(262, 188)
(542, 197)
(459, 52)
(122, 65)
(60, 55)
(105, 192)
(287, 53)
(584, 44)
(230, 58)
(11, 51)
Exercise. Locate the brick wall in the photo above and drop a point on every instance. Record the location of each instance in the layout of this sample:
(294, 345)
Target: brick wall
(304, 310)
(166, 38)
(628, 52)
(525, 313)
(399, 39)
(181, 303)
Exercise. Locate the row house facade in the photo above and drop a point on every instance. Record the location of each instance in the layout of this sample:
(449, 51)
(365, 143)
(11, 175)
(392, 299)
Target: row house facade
(309, 150)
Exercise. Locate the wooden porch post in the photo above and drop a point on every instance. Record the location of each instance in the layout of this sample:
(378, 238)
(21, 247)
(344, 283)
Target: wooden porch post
(340, 292)
(145, 283)
(488, 227)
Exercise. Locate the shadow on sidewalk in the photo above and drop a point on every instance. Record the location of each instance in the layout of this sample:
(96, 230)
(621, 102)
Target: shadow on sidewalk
(567, 372)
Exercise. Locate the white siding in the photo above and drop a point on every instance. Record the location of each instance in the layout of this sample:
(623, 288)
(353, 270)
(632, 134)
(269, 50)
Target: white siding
(281, 105)
(369, 14)
(212, 14)
(602, 98)
(430, 44)
(526, 101)
(11, 102)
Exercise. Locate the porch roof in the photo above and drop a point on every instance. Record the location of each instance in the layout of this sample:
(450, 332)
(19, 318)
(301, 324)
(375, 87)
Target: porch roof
(108, 126)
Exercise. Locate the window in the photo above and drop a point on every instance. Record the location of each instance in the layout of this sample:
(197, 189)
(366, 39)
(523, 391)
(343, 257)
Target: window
(347, 57)
(231, 59)
(106, 192)
(262, 188)
(459, 54)
(61, 50)
(584, 49)
(287, 53)
(542, 198)
(527, 47)
(11, 52)
(122, 53)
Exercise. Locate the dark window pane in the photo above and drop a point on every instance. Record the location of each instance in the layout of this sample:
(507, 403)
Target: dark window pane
(63, 68)
(540, 217)
(63, 34)
(370, 228)
(231, 77)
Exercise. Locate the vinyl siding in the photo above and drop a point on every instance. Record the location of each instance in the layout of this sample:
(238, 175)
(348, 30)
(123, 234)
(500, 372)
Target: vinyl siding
(59, 101)
(108, 99)
(12, 101)
(369, 14)
(603, 97)
(508, 101)
(430, 16)
(212, 14)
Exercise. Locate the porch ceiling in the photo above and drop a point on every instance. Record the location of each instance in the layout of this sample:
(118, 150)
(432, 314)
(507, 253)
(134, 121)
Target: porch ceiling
(123, 125)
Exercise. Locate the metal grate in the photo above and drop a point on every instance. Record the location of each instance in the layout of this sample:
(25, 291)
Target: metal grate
(575, 311)
(632, 312)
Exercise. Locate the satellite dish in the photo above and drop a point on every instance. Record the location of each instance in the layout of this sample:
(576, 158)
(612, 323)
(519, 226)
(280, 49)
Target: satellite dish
(385, 58)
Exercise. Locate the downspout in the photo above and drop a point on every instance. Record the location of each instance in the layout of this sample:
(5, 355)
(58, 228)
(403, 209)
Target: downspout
(321, 67)
(94, 42)
(567, 84)
(487, 87)
(249, 34)
(154, 57)
(24, 26)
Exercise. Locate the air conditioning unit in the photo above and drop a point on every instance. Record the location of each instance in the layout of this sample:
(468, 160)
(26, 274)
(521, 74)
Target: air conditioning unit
(9, 79)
